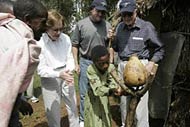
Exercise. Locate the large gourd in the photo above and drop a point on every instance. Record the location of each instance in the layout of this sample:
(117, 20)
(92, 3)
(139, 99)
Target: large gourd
(135, 73)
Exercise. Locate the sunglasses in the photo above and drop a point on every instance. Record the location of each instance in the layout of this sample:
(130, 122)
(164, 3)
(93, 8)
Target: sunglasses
(128, 14)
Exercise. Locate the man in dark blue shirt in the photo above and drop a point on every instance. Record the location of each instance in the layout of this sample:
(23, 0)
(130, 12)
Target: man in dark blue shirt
(136, 36)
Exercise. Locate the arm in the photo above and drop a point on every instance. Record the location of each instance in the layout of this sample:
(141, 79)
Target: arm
(68, 75)
(115, 39)
(44, 70)
(111, 51)
(75, 56)
(99, 88)
(6, 15)
(70, 64)
(156, 44)
(75, 47)
(109, 39)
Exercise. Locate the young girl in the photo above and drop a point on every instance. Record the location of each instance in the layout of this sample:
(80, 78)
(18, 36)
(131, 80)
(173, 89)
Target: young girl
(101, 85)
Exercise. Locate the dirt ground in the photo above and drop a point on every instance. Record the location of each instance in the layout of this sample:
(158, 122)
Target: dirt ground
(38, 118)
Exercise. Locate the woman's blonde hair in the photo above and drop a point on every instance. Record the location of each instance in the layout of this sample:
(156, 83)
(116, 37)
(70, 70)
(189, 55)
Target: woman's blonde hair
(53, 17)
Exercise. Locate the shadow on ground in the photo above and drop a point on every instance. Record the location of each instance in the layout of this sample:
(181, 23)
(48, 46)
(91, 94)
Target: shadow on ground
(64, 123)
(37, 91)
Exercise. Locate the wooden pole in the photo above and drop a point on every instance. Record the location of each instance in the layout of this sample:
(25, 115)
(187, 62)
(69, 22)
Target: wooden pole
(135, 95)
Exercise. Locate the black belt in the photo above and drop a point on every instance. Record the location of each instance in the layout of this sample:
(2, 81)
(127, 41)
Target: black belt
(127, 58)
(86, 57)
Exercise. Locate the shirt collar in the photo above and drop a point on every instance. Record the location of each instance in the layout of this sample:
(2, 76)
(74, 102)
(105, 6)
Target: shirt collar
(48, 40)
(136, 25)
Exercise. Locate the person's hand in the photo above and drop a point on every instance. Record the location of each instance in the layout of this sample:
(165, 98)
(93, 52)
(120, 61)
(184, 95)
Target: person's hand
(111, 34)
(149, 67)
(77, 68)
(118, 91)
(10, 15)
(25, 108)
(67, 76)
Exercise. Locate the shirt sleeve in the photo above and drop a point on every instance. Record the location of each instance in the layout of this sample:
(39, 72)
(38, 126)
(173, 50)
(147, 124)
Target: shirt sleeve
(98, 87)
(75, 38)
(70, 65)
(115, 41)
(112, 83)
(157, 44)
(43, 69)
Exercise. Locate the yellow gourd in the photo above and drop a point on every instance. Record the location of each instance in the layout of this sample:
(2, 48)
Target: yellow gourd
(135, 73)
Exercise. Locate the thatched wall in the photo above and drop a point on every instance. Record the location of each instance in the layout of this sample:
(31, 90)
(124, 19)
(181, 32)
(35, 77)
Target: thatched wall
(174, 15)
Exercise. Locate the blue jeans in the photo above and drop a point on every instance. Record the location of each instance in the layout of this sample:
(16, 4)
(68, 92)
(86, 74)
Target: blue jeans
(83, 84)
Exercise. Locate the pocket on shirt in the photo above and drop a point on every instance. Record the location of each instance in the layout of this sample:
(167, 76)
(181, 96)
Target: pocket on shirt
(136, 45)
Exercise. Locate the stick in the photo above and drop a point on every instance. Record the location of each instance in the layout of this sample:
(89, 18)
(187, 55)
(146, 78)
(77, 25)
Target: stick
(135, 99)
(120, 82)
(115, 21)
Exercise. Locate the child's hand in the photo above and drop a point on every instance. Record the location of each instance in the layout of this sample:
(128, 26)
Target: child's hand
(118, 91)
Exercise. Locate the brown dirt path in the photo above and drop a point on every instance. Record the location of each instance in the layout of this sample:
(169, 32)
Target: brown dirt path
(38, 118)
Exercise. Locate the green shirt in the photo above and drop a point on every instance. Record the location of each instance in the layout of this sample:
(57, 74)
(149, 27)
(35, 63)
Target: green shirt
(97, 106)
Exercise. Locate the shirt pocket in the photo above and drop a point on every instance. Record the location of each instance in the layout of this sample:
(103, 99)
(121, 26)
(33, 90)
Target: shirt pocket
(136, 45)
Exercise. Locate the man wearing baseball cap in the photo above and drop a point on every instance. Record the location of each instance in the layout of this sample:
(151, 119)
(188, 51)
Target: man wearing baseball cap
(89, 32)
(136, 36)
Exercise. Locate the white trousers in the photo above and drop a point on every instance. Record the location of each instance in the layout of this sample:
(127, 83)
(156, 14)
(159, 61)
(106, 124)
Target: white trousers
(53, 90)
(30, 89)
(141, 114)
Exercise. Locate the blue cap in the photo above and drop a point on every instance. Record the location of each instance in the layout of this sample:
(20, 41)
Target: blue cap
(127, 6)
(100, 5)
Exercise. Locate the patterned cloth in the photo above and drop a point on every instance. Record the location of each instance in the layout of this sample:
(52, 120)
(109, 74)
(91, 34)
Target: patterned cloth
(97, 107)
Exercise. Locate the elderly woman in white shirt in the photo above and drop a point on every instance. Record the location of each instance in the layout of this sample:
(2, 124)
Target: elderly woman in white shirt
(55, 69)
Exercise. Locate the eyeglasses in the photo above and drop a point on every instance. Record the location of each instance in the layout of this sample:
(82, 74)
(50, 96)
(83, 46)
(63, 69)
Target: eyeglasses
(128, 14)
